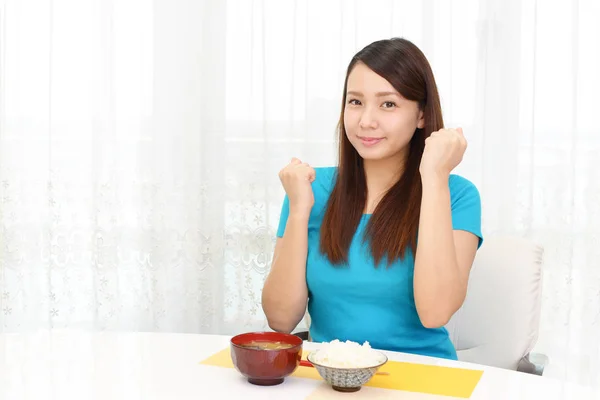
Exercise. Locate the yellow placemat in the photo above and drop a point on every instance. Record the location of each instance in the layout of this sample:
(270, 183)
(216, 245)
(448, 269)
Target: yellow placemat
(410, 377)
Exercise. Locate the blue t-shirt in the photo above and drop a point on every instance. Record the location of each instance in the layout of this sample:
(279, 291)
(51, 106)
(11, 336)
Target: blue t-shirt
(359, 302)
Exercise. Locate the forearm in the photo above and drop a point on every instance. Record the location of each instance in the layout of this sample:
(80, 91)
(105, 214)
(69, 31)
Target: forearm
(285, 293)
(438, 285)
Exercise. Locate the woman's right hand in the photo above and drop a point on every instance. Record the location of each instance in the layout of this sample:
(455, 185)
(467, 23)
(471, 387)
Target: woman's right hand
(296, 178)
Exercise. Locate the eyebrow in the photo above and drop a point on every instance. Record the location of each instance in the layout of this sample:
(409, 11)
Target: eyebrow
(378, 94)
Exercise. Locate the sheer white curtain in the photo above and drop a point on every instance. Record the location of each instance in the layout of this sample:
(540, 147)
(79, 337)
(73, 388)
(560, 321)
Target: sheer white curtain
(140, 143)
(111, 125)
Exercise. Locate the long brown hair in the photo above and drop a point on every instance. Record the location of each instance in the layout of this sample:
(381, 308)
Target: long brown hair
(392, 229)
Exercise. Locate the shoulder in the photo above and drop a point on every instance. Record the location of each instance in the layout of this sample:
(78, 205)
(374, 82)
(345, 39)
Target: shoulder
(462, 188)
(325, 173)
(324, 179)
(464, 198)
(466, 206)
(458, 182)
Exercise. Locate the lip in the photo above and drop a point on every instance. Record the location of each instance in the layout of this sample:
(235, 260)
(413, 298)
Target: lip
(370, 141)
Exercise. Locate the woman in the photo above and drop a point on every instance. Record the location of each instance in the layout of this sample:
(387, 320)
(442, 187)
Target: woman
(381, 246)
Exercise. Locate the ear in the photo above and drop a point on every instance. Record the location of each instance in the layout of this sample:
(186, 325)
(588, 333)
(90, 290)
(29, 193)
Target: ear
(421, 122)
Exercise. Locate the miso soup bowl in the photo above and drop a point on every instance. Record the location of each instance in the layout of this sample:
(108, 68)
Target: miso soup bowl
(265, 367)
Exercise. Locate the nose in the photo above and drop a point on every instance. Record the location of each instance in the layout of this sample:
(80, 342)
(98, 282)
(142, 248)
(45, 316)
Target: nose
(367, 119)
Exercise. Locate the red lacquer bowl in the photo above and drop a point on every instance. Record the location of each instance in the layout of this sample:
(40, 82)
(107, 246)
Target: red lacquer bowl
(265, 367)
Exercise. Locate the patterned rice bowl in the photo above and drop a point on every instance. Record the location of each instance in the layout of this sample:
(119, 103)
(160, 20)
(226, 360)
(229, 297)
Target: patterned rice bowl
(345, 379)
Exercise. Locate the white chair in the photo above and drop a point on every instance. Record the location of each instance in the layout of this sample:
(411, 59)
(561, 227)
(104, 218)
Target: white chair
(498, 323)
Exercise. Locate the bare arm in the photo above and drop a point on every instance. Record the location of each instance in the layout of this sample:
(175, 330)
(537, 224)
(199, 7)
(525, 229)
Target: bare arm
(443, 258)
(285, 295)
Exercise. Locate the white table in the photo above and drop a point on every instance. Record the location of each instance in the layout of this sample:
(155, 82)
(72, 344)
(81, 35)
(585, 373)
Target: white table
(151, 366)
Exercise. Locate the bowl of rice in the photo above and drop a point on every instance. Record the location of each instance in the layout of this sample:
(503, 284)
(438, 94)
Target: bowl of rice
(347, 366)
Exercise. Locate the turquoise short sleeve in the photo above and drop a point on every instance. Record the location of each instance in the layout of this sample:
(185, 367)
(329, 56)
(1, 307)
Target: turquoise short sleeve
(466, 207)
(285, 212)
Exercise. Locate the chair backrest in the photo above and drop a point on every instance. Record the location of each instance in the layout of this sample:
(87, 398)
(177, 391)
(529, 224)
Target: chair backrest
(498, 323)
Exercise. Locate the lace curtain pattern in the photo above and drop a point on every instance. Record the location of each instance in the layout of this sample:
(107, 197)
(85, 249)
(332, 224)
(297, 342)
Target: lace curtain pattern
(140, 144)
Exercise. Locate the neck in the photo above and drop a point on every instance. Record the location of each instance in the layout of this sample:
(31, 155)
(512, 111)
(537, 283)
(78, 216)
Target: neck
(381, 175)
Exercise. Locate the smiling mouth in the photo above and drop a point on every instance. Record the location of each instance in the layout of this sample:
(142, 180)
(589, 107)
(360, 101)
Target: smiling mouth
(370, 141)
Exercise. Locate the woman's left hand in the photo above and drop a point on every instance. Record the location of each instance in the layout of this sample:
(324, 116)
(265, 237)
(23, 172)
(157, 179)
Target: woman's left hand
(444, 150)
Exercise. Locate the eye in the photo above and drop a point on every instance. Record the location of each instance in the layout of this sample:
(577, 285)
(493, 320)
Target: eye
(354, 102)
(389, 104)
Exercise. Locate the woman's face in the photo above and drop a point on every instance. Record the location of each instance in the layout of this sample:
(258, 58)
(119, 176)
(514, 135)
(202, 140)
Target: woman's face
(379, 122)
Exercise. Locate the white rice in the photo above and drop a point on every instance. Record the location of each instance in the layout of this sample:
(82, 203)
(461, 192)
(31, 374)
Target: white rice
(346, 355)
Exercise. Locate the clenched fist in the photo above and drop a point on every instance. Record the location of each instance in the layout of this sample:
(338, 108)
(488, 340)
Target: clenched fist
(296, 178)
(444, 150)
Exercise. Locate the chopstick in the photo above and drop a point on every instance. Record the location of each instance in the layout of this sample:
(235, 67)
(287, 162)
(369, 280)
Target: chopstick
(306, 363)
